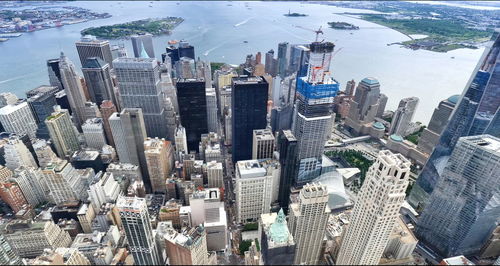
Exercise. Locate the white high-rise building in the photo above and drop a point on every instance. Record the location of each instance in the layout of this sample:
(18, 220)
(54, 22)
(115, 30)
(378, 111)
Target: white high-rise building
(215, 174)
(181, 140)
(31, 181)
(43, 152)
(105, 189)
(253, 190)
(64, 182)
(62, 133)
(7, 98)
(263, 144)
(93, 131)
(18, 118)
(375, 211)
(135, 219)
(16, 154)
(403, 116)
(308, 216)
(207, 208)
(211, 110)
(171, 118)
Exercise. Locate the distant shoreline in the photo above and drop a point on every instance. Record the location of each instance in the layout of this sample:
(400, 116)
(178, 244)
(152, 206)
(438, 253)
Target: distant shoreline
(154, 26)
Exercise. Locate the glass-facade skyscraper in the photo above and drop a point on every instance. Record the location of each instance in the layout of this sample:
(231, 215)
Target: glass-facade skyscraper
(249, 110)
(476, 113)
(464, 208)
(191, 95)
(313, 115)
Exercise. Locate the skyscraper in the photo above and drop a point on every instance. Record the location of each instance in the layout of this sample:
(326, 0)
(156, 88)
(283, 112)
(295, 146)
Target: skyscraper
(283, 57)
(89, 47)
(253, 190)
(181, 140)
(7, 255)
(212, 120)
(376, 210)
(32, 184)
(65, 183)
(129, 133)
(54, 73)
(17, 154)
(313, 117)
(439, 119)
(18, 119)
(138, 81)
(42, 101)
(248, 110)
(476, 112)
(287, 148)
(62, 133)
(307, 223)
(463, 208)
(98, 79)
(191, 95)
(74, 90)
(403, 116)
(277, 244)
(215, 174)
(159, 159)
(143, 42)
(263, 144)
(93, 131)
(107, 109)
(269, 63)
(135, 219)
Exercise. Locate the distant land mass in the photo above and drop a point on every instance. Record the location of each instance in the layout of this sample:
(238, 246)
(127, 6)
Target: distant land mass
(294, 14)
(154, 26)
(342, 26)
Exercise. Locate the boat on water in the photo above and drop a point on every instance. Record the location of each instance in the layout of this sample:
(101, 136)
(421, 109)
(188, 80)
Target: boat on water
(10, 35)
(173, 42)
(245, 41)
(3, 39)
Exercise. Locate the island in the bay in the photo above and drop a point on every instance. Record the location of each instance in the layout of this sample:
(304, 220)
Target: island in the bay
(294, 14)
(154, 26)
(342, 26)
(437, 28)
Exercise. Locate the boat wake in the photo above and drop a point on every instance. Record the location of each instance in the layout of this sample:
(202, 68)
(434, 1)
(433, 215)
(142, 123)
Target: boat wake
(243, 22)
(15, 78)
(211, 49)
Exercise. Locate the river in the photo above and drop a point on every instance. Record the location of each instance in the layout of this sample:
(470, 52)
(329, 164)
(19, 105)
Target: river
(218, 30)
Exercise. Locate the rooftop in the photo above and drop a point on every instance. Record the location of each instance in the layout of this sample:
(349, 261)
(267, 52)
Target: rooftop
(131, 204)
(250, 168)
(370, 81)
(8, 109)
(487, 142)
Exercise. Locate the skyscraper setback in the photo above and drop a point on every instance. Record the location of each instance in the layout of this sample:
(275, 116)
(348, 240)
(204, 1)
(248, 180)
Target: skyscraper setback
(376, 210)
(138, 81)
(89, 47)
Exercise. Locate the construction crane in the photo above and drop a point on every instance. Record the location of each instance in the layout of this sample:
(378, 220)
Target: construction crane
(315, 31)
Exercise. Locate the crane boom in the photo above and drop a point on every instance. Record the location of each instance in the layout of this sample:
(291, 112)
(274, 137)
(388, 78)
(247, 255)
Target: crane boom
(315, 31)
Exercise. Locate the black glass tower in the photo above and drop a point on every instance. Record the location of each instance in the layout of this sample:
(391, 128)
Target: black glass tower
(248, 110)
(287, 147)
(192, 100)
